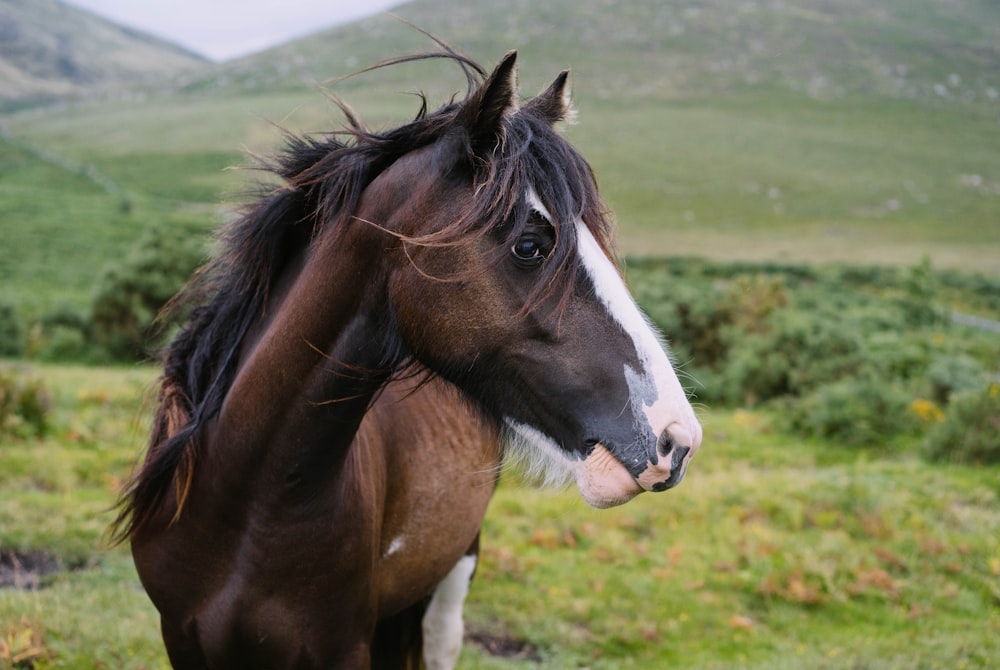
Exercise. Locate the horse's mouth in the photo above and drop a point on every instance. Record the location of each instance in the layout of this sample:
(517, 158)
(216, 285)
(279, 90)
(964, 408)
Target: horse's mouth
(605, 482)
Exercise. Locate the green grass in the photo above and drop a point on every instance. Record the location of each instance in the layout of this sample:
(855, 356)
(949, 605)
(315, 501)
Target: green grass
(62, 227)
(774, 553)
(747, 177)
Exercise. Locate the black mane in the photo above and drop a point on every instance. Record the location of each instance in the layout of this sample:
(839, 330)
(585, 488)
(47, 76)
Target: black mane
(323, 180)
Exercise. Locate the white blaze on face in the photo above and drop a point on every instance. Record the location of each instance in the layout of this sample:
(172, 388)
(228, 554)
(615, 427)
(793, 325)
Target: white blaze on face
(657, 395)
(670, 404)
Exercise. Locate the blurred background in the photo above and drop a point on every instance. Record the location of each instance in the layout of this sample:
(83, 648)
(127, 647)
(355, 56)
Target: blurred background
(808, 198)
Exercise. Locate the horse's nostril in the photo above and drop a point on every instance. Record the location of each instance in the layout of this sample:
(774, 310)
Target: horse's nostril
(677, 455)
(665, 444)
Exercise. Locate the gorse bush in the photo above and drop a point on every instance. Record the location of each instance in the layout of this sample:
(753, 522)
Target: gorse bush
(953, 373)
(24, 404)
(970, 429)
(797, 353)
(64, 334)
(130, 294)
(701, 316)
(11, 331)
(841, 353)
(856, 411)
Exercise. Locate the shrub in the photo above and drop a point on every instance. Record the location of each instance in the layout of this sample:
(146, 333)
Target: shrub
(62, 335)
(131, 294)
(698, 314)
(952, 374)
(799, 352)
(24, 405)
(692, 321)
(895, 354)
(921, 287)
(11, 332)
(862, 411)
(970, 431)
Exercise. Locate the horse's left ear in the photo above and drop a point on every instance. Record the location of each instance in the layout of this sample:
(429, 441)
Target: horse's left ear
(553, 104)
(483, 112)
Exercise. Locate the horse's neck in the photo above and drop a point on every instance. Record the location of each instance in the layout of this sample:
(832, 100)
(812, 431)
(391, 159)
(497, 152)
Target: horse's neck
(306, 381)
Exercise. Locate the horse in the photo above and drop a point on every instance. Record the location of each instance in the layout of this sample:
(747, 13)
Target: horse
(376, 334)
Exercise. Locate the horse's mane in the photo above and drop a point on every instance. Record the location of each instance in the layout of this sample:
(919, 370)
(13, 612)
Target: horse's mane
(323, 179)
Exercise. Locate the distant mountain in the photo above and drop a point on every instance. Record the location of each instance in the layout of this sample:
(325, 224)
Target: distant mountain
(50, 50)
(923, 50)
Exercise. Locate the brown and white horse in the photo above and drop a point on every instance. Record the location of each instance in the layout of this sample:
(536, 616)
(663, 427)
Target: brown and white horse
(372, 337)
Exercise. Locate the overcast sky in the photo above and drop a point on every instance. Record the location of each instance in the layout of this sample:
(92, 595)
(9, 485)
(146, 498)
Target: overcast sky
(223, 29)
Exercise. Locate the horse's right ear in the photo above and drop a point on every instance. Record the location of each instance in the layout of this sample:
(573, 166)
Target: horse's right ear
(483, 112)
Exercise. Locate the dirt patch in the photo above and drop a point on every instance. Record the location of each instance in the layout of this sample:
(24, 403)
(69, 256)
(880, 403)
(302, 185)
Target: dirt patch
(26, 569)
(504, 646)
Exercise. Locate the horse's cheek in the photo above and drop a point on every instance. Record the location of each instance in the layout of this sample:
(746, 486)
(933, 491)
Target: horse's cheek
(447, 320)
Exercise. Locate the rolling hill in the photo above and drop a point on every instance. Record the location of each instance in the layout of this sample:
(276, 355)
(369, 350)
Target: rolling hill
(926, 51)
(52, 51)
(800, 131)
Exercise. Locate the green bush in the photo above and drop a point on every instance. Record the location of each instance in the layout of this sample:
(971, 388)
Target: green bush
(62, 335)
(11, 332)
(858, 412)
(799, 352)
(702, 315)
(921, 287)
(131, 294)
(896, 354)
(854, 354)
(952, 374)
(970, 430)
(24, 405)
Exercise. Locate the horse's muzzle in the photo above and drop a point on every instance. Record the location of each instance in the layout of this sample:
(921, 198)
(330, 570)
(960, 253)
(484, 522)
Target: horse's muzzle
(605, 482)
(674, 448)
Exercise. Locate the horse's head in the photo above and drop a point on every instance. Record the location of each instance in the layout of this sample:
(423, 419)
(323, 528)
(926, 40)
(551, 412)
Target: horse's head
(505, 285)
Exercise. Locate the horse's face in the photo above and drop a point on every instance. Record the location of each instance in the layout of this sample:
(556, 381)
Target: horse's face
(563, 358)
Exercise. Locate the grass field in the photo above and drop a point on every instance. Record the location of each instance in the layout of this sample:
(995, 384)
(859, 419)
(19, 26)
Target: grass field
(774, 553)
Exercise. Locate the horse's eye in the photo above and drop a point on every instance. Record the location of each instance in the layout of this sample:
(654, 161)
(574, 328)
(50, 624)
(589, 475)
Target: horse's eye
(527, 249)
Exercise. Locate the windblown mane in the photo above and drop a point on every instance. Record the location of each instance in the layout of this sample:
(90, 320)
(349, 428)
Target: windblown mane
(323, 180)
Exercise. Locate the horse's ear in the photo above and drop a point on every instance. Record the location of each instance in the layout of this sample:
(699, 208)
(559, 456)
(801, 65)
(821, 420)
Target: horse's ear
(553, 104)
(483, 112)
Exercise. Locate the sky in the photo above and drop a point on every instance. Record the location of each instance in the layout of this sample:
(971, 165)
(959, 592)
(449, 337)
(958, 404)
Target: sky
(224, 29)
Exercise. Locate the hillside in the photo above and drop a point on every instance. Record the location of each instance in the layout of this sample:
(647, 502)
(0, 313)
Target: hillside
(917, 50)
(50, 50)
(805, 131)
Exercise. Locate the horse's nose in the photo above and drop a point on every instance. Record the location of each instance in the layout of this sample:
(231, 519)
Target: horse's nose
(673, 448)
(677, 435)
(677, 469)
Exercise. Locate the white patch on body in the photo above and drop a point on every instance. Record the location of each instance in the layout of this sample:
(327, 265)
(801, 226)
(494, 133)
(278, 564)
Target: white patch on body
(442, 624)
(394, 546)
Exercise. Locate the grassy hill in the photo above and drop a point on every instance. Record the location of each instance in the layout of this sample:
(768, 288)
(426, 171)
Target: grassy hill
(639, 49)
(802, 131)
(50, 51)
